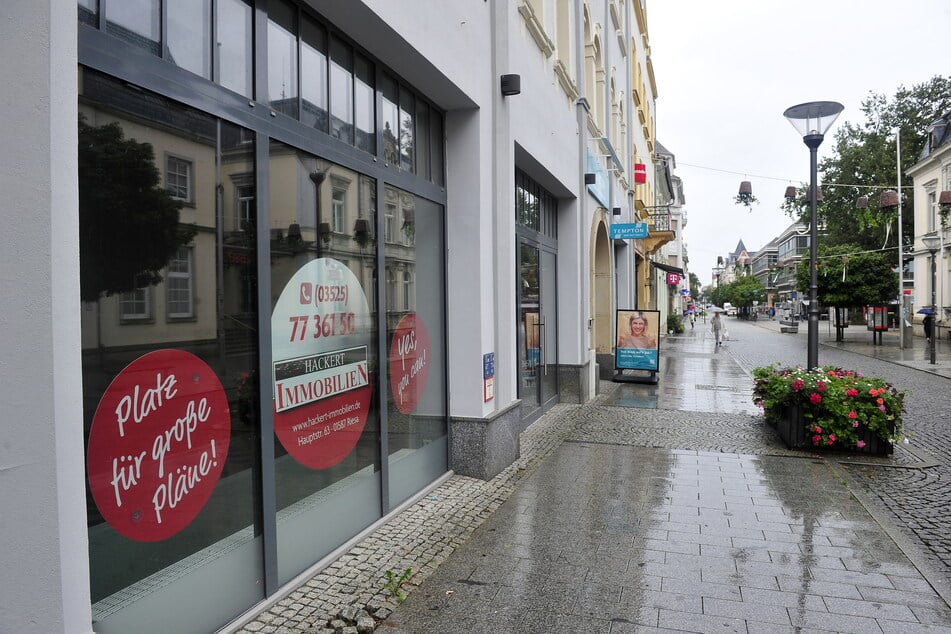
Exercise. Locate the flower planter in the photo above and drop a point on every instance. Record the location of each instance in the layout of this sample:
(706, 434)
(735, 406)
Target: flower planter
(792, 427)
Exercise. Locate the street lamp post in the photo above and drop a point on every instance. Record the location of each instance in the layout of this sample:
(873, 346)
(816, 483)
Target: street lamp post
(932, 242)
(812, 120)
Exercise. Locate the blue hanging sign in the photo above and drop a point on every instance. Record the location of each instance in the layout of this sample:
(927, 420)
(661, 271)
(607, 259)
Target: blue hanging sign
(629, 230)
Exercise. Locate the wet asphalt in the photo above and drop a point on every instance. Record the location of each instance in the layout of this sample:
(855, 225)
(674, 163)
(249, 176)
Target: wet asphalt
(672, 508)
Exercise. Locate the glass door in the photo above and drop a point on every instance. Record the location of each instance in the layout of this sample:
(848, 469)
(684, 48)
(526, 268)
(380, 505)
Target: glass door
(538, 362)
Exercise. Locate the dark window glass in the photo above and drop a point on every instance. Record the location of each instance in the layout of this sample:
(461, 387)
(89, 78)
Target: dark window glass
(89, 12)
(234, 46)
(189, 35)
(407, 130)
(138, 22)
(391, 120)
(341, 90)
(313, 82)
(282, 57)
(364, 104)
(423, 140)
(327, 445)
(415, 315)
(436, 145)
(164, 289)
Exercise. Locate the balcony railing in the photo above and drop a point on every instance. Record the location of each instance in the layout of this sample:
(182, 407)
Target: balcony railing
(659, 218)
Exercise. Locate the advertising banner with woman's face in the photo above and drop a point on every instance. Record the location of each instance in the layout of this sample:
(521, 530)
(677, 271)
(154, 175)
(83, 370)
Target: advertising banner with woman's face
(638, 340)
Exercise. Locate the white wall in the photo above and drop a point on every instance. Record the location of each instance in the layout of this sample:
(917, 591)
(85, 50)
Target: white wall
(44, 573)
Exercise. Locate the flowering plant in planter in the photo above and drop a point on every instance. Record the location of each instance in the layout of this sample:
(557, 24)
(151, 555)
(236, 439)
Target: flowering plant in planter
(839, 407)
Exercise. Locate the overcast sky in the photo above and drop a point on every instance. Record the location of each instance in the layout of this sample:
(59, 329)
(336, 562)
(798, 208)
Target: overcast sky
(727, 70)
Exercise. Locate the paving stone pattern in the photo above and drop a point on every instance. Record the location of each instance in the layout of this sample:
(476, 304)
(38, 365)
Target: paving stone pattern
(665, 508)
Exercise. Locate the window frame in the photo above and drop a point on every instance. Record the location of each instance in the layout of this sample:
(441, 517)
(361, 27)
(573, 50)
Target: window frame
(189, 198)
(189, 276)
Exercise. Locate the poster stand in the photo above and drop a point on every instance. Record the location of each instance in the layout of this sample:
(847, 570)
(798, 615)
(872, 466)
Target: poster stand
(637, 350)
(627, 376)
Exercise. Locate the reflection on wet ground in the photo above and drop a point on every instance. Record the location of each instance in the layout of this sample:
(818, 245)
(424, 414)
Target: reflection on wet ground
(607, 538)
(693, 375)
(623, 529)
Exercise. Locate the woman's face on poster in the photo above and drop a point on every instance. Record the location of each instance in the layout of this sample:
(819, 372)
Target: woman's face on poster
(638, 325)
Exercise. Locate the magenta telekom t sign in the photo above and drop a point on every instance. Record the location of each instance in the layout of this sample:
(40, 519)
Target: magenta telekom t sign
(673, 279)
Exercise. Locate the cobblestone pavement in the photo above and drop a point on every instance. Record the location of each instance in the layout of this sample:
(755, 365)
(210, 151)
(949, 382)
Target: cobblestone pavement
(909, 496)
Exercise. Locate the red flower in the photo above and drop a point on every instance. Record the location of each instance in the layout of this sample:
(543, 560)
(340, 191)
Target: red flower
(798, 385)
(816, 440)
(815, 398)
(880, 401)
(851, 392)
(852, 414)
(831, 439)
(821, 386)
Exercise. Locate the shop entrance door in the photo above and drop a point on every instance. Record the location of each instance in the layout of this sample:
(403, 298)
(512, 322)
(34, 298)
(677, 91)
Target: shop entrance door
(538, 336)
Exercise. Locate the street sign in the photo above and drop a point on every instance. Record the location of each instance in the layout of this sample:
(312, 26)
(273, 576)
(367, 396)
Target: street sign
(629, 230)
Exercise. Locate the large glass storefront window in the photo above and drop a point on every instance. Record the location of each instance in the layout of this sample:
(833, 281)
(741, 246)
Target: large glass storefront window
(169, 357)
(325, 357)
(415, 327)
(202, 498)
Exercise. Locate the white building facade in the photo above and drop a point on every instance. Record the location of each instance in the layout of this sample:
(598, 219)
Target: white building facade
(931, 177)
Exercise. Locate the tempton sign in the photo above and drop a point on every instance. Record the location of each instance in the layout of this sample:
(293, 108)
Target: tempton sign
(320, 336)
(158, 443)
(410, 357)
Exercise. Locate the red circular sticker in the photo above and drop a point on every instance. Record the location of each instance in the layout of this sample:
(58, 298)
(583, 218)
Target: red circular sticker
(409, 362)
(320, 333)
(158, 443)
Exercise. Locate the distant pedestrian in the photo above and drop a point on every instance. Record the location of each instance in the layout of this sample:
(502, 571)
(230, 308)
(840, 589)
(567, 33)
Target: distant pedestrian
(929, 326)
(693, 320)
(716, 325)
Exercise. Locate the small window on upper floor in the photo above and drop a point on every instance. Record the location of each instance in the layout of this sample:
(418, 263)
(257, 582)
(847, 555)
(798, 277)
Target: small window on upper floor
(178, 178)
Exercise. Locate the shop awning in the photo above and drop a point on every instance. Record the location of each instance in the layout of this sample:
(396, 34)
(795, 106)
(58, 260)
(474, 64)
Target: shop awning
(668, 268)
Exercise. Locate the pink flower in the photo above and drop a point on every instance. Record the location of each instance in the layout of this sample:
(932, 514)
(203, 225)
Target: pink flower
(817, 429)
(797, 385)
(880, 401)
(852, 414)
(860, 444)
(815, 398)
(882, 407)
(855, 423)
(831, 439)
(816, 440)
(851, 392)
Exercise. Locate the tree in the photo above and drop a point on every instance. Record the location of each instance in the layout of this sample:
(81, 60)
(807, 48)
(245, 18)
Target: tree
(848, 277)
(128, 225)
(743, 292)
(863, 163)
(695, 286)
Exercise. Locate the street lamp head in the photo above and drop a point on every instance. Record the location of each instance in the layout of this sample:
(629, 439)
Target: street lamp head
(813, 119)
(931, 241)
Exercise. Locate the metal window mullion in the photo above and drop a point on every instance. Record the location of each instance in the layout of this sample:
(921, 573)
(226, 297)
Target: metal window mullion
(265, 358)
(381, 388)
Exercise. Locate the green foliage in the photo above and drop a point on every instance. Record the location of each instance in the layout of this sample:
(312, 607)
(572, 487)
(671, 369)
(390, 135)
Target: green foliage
(695, 285)
(675, 324)
(746, 199)
(128, 224)
(867, 279)
(837, 404)
(864, 158)
(741, 292)
(394, 583)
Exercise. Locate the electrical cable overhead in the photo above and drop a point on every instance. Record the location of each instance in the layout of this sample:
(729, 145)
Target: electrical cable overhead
(787, 180)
